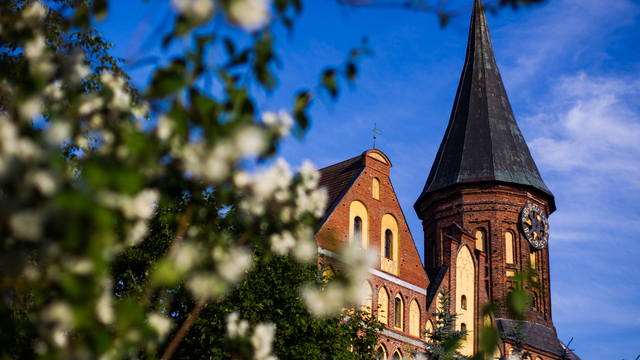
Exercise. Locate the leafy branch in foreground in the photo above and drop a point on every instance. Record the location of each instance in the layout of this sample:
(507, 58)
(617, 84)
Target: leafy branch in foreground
(83, 178)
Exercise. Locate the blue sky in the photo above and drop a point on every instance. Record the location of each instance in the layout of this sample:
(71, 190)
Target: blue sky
(571, 69)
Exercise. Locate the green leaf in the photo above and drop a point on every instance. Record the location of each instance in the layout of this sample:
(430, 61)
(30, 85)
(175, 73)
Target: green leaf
(329, 82)
(168, 80)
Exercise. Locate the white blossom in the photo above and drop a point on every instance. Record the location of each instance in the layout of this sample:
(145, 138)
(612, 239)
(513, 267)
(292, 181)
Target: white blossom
(80, 266)
(306, 247)
(249, 14)
(137, 233)
(249, 142)
(281, 244)
(314, 202)
(232, 264)
(54, 90)
(142, 204)
(78, 70)
(60, 313)
(140, 111)
(206, 284)
(282, 122)
(120, 100)
(29, 108)
(27, 224)
(60, 337)
(165, 128)
(58, 132)
(262, 341)
(184, 257)
(198, 10)
(276, 177)
(44, 181)
(323, 302)
(235, 327)
(34, 13)
(90, 105)
(310, 176)
(217, 165)
(34, 49)
(160, 324)
(104, 308)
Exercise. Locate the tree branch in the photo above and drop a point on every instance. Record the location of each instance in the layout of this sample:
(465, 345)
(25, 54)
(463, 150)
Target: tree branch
(184, 329)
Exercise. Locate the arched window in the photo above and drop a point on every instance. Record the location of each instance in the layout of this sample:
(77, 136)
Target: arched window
(389, 250)
(508, 247)
(375, 188)
(398, 312)
(388, 244)
(534, 301)
(429, 327)
(481, 240)
(397, 355)
(367, 303)
(465, 284)
(463, 327)
(357, 231)
(383, 306)
(381, 353)
(463, 302)
(414, 319)
(359, 225)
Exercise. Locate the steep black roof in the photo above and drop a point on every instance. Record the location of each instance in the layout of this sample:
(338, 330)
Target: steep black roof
(482, 142)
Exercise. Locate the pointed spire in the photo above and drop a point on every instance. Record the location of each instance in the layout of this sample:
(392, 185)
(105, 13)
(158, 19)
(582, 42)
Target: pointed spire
(482, 142)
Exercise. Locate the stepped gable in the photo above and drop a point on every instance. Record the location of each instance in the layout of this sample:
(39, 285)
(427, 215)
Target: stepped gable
(482, 141)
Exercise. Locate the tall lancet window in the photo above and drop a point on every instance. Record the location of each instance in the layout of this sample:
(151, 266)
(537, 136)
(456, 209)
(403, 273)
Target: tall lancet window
(357, 231)
(388, 244)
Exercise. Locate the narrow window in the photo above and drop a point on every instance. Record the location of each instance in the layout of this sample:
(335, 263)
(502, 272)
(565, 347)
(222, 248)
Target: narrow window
(533, 258)
(481, 238)
(388, 244)
(463, 302)
(397, 355)
(508, 242)
(414, 319)
(375, 187)
(398, 312)
(534, 301)
(383, 305)
(381, 354)
(463, 327)
(357, 231)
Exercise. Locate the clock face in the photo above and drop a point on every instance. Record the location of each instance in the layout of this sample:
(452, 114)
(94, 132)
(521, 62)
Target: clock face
(535, 225)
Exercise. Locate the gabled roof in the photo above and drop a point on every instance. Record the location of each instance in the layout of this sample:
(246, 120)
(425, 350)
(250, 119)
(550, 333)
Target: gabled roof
(337, 179)
(482, 141)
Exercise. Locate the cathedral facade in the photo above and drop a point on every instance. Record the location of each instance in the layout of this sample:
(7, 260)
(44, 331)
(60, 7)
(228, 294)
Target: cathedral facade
(484, 211)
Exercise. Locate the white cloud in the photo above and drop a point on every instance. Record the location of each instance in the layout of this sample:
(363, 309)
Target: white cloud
(595, 136)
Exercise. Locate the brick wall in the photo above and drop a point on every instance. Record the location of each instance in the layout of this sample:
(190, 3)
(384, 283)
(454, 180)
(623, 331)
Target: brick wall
(334, 234)
(496, 208)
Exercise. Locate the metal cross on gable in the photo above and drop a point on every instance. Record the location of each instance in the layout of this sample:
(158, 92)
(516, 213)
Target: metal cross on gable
(375, 132)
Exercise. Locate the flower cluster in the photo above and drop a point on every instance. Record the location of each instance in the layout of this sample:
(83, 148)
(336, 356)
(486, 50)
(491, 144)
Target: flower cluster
(83, 176)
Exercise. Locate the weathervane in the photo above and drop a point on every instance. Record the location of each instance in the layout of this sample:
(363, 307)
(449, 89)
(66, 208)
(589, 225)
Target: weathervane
(375, 131)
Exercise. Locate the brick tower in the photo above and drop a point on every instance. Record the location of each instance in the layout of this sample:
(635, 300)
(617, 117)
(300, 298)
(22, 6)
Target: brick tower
(472, 204)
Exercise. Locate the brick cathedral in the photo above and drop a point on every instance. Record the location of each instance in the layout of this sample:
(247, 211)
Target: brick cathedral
(483, 210)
